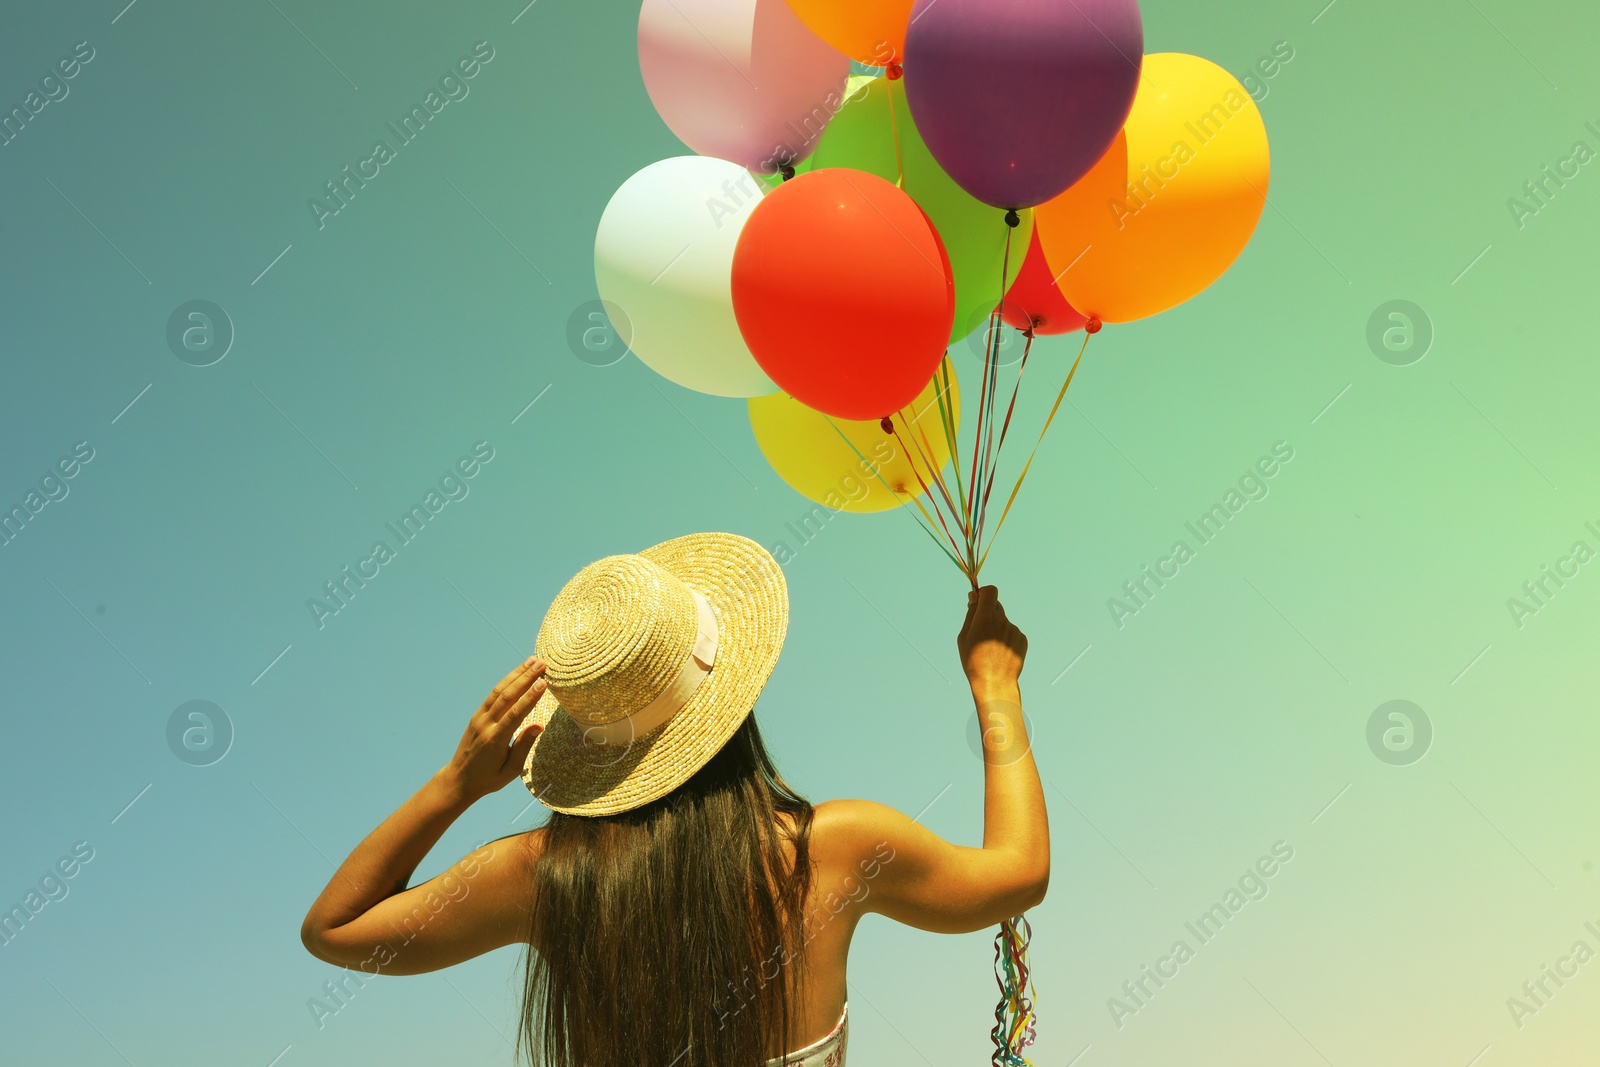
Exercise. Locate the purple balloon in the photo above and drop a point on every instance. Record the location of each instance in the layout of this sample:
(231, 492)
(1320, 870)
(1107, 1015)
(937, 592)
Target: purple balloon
(1018, 99)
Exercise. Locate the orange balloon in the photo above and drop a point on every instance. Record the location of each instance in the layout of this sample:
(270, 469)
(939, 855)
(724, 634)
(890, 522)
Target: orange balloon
(872, 32)
(1171, 204)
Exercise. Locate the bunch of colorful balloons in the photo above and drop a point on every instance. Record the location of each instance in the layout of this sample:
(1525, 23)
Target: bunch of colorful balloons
(1016, 161)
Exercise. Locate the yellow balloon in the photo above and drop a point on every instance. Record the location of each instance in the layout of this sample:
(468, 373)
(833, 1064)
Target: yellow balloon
(872, 32)
(1171, 204)
(808, 453)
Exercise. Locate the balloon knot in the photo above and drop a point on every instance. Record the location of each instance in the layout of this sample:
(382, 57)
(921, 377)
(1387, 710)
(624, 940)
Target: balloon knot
(1012, 218)
(787, 170)
(1093, 325)
(894, 71)
(886, 425)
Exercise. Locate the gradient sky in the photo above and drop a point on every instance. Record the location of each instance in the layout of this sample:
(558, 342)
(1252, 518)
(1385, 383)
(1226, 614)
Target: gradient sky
(371, 354)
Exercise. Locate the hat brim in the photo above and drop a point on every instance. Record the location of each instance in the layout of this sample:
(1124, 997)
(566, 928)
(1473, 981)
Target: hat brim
(749, 597)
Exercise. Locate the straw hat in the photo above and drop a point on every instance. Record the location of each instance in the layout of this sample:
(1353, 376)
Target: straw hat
(653, 661)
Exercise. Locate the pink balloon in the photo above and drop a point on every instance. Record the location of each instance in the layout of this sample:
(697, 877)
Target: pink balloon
(743, 80)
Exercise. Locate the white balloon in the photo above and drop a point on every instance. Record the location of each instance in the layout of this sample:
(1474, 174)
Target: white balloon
(663, 255)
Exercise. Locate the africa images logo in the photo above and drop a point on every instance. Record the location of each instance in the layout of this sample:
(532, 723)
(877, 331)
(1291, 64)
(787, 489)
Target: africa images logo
(1253, 485)
(408, 527)
(1253, 885)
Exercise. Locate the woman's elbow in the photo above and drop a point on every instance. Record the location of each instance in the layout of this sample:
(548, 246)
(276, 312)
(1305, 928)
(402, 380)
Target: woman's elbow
(1025, 889)
(1015, 880)
(1031, 878)
(1038, 888)
(311, 937)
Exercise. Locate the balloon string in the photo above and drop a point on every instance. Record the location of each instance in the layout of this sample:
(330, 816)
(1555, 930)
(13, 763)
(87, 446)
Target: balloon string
(926, 450)
(997, 328)
(894, 131)
(991, 359)
(947, 419)
(927, 461)
(873, 467)
(1053, 409)
(991, 374)
(944, 491)
(940, 544)
(924, 485)
(999, 333)
(926, 455)
(977, 441)
(1006, 425)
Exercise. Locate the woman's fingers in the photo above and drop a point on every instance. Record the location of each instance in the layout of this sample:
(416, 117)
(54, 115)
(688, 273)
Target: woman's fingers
(511, 687)
(518, 709)
(527, 731)
(528, 686)
(509, 682)
(518, 730)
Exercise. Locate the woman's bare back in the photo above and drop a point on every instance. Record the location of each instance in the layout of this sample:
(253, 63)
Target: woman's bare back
(866, 857)
(826, 933)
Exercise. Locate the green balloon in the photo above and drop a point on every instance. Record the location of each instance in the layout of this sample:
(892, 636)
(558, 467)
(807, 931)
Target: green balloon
(862, 136)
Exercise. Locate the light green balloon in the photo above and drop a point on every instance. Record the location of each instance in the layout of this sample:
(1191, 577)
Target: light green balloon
(861, 136)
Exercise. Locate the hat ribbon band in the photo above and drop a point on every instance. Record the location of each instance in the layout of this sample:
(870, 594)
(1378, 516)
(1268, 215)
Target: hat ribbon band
(678, 691)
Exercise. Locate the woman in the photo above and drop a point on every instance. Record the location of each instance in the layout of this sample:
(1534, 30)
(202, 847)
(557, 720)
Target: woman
(682, 907)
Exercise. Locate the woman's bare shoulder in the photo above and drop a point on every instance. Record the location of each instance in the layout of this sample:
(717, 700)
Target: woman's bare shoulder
(853, 814)
(523, 849)
(847, 829)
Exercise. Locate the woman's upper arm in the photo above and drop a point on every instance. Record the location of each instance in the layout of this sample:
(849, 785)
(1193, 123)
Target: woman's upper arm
(478, 905)
(916, 877)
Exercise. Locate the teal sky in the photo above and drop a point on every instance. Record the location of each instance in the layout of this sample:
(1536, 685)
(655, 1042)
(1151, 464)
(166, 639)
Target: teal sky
(372, 353)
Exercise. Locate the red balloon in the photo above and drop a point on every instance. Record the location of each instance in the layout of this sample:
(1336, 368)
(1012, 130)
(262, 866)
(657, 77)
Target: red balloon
(842, 290)
(1035, 301)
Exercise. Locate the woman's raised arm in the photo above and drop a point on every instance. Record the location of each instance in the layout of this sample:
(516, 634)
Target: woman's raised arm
(913, 875)
(366, 909)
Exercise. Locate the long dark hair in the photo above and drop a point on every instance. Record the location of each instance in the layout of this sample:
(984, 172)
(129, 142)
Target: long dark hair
(669, 935)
